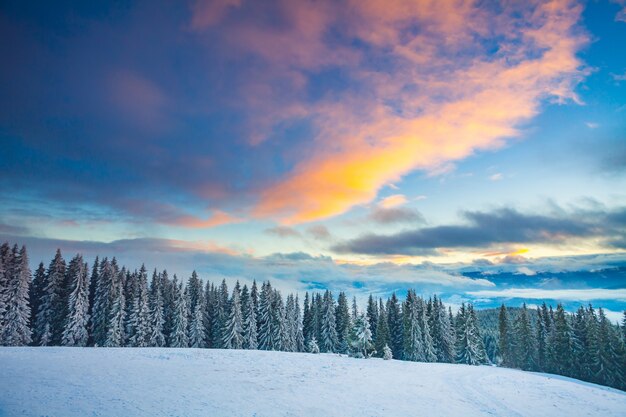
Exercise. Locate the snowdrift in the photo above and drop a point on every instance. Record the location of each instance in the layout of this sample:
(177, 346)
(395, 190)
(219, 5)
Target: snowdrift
(201, 382)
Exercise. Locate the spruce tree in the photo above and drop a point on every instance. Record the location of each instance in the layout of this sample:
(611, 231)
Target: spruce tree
(329, 330)
(382, 330)
(35, 294)
(157, 316)
(116, 330)
(560, 344)
(342, 316)
(197, 331)
(267, 331)
(250, 340)
(307, 320)
(16, 330)
(179, 338)
(525, 346)
(76, 331)
(372, 314)
(469, 347)
(505, 347)
(413, 340)
(233, 330)
(103, 301)
(361, 337)
(140, 313)
(50, 317)
(396, 327)
(4, 277)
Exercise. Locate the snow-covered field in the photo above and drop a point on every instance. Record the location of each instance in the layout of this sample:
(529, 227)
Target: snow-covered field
(197, 382)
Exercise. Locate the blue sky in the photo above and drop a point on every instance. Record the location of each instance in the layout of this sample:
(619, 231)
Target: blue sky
(385, 144)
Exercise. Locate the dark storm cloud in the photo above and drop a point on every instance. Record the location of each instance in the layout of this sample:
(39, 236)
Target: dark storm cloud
(486, 228)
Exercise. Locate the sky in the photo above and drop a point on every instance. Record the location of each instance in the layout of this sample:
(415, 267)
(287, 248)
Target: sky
(474, 149)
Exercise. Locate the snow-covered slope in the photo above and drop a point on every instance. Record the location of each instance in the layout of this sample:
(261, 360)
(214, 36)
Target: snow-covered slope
(195, 382)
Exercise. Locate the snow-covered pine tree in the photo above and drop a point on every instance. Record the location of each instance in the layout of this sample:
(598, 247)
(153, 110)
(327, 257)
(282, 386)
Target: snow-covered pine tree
(194, 286)
(210, 314)
(307, 320)
(16, 330)
(248, 312)
(342, 316)
(318, 313)
(197, 331)
(115, 333)
(49, 324)
(470, 348)
(76, 331)
(505, 345)
(221, 308)
(413, 338)
(168, 288)
(442, 331)
(312, 346)
(329, 330)
(299, 336)
(361, 337)
(427, 341)
(355, 310)
(140, 314)
(267, 332)
(581, 365)
(179, 337)
(387, 354)
(157, 316)
(233, 329)
(4, 255)
(560, 344)
(103, 301)
(34, 294)
(382, 330)
(372, 314)
(93, 281)
(280, 321)
(524, 346)
(130, 295)
(396, 327)
(291, 325)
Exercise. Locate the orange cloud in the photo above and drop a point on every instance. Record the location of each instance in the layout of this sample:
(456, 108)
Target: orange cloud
(450, 109)
(217, 219)
(393, 201)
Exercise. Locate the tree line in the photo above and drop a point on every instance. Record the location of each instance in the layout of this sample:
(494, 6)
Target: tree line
(70, 304)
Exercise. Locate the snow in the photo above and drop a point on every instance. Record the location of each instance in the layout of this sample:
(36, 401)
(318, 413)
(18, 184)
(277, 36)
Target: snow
(203, 382)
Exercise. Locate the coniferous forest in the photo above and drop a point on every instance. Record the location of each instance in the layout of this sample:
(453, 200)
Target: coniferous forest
(105, 304)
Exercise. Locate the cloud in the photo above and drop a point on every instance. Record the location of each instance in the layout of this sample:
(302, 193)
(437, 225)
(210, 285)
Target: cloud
(496, 177)
(392, 201)
(483, 229)
(621, 14)
(283, 231)
(592, 125)
(561, 294)
(433, 105)
(396, 215)
(319, 232)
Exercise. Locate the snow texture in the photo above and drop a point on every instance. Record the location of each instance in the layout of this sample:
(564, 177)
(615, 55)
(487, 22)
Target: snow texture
(201, 382)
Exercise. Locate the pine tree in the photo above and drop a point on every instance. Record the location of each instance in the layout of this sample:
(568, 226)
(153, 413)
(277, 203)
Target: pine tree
(280, 322)
(50, 317)
(342, 316)
(290, 322)
(469, 347)
(250, 340)
(140, 313)
(35, 294)
(267, 331)
(355, 310)
(5, 263)
(329, 330)
(396, 327)
(560, 344)
(413, 339)
(542, 331)
(116, 331)
(299, 335)
(233, 331)
(307, 320)
(312, 346)
(157, 317)
(382, 330)
(443, 333)
(504, 342)
(16, 330)
(197, 333)
(76, 331)
(524, 346)
(387, 354)
(427, 341)
(103, 301)
(179, 337)
(361, 337)
(372, 314)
